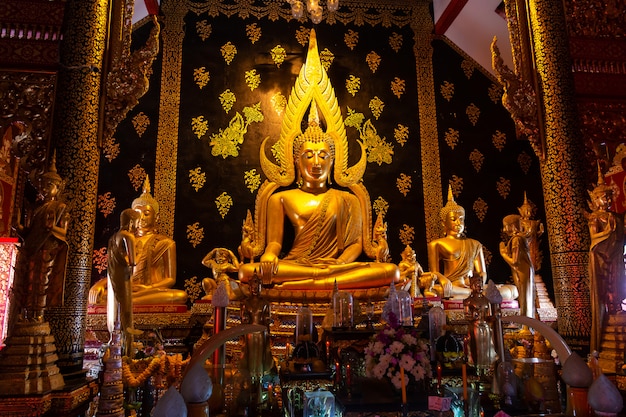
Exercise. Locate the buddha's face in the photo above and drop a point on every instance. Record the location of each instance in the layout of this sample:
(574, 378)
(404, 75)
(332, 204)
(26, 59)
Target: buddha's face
(455, 223)
(49, 188)
(148, 217)
(315, 162)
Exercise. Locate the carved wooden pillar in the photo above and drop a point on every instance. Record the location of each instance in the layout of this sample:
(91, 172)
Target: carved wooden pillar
(75, 136)
(561, 170)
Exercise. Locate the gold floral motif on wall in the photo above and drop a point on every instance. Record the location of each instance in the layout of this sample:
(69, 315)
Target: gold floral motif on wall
(278, 55)
(253, 79)
(195, 233)
(447, 90)
(228, 51)
(477, 158)
(327, 58)
(278, 102)
(401, 134)
(136, 175)
(252, 180)
(376, 106)
(451, 137)
(227, 99)
(398, 86)
(199, 126)
(100, 259)
(353, 84)
(253, 32)
(395, 41)
(204, 29)
(499, 140)
(404, 183)
(525, 161)
(473, 113)
(468, 68)
(351, 38)
(110, 149)
(380, 206)
(226, 141)
(377, 148)
(488, 255)
(224, 202)
(373, 61)
(456, 184)
(495, 93)
(197, 178)
(407, 234)
(141, 123)
(503, 186)
(480, 207)
(106, 204)
(193, 288)
(302, 35)
(201, 77)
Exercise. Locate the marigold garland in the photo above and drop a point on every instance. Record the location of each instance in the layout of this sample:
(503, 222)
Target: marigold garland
(136, 371)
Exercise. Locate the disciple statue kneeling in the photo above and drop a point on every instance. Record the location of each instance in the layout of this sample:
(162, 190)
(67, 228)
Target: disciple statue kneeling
(154, 275)
(455, 258)
(328, 223)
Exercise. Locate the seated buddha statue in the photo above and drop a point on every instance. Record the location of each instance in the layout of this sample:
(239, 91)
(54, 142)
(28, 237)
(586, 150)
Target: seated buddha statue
(328, 222)
(154, 274)
(455, 258)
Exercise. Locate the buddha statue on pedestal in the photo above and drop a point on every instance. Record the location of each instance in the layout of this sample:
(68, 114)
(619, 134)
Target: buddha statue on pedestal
(332, 226)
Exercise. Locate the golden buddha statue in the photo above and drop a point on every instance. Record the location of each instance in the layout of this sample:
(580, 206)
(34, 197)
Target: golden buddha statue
(154, 275)
(455, 258)
(331, 226)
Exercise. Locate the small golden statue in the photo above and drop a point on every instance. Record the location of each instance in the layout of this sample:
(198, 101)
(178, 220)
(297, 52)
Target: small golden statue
(154, 275)
(221, 261)
(246, 248)
(532, 229)
(331, 226)
(380, 240)
(478, 314)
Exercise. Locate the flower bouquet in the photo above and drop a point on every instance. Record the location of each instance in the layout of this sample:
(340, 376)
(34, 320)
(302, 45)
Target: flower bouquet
(396, 347)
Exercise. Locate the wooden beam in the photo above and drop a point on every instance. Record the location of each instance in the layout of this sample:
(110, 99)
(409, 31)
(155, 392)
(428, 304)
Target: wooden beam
(449, 15)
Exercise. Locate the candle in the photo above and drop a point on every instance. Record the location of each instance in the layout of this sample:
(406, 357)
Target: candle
(439, 373)
(403, 386)
(337, 373)
(464, 376)
(327, 350)
(288, 349)
(348, 375)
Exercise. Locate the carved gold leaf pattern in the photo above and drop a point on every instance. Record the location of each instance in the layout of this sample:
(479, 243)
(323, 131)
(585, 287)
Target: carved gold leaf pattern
(197, 178)
(228, 51)
(100, 259)
(227, 99)
(499, 140)
(373, 61)
(407, 234)
(401, 134)
(504, 187)
(226, 141)
(353, 84)
(252, 180)
(447, 90)
(204, 29)
(279, 102)
(395, 41)
(136, 175)
(468, 68)
(376, 106)
(380, 206)
(302, 35)
(477, 158)
(525, 161)
(452, 137)
(480, 208)
(278, 55)
(253, 79)
(351, 38)
(141, 123)
(201, 76)
(473, 113)
(495, 93)
(398, 87)
(193, 288)
(327, 58)
(488, 255)
(195, 233)
(456, 184)
(404, 183)
(199, 126)
(224, 202)
(106, 204)
(253, 32)
(380, 152)
(110, 149)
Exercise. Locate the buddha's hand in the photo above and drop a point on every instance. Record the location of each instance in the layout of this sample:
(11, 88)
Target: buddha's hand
(268, 266)
(140, 287)
(98, 294)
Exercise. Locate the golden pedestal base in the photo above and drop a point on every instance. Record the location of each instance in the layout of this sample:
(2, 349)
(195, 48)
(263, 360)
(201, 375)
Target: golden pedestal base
(28, 362)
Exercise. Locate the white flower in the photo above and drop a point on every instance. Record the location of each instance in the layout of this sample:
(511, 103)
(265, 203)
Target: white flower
(379, 370)
(409, 339)
(396, 380)
(396, 347)
(407, 362)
